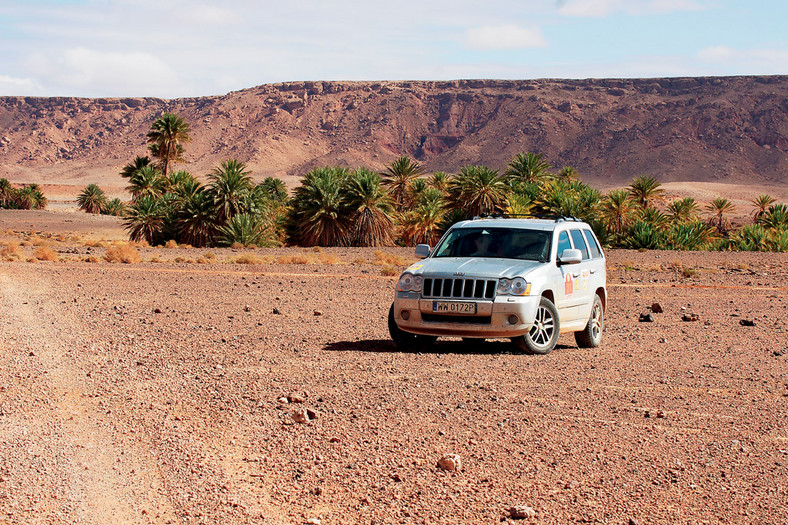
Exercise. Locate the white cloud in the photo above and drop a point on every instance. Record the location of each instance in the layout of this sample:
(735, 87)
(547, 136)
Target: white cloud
(96, 72)
(208, 14)
(19, 86)
(602, 8)
(503, 37)
(750, 61)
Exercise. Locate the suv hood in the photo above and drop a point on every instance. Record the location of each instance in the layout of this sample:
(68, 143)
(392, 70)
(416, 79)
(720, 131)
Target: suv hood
(489, 267)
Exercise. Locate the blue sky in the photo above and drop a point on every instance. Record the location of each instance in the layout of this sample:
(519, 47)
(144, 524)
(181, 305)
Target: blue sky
(183, 48)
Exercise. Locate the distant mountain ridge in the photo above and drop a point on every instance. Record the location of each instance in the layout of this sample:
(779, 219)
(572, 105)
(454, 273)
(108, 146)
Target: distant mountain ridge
(708, 129)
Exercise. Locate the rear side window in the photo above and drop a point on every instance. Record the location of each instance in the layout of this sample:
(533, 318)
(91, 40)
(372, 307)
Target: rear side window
(580, 243)
(592, 245)
(563, 243)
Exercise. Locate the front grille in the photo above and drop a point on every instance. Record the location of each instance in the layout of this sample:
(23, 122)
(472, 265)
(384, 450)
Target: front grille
(459, 288)
(461, 319)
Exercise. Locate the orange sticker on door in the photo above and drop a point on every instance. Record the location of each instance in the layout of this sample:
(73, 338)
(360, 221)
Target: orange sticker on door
(569, 285)
(586, 274)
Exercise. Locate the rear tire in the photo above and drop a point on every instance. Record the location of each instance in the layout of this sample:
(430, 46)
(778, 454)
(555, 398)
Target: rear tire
(544, 333)
(406, 340)
(591, 335)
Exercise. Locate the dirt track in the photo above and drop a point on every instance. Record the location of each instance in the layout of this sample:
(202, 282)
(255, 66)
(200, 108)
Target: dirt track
(149, 393)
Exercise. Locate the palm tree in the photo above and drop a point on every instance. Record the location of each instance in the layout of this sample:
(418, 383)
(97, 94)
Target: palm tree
(720, 207)
(684, 210)
(399, 176)
(247, 229)
(654, 218)
(617, 210)
(115, 207)
(194, 221)
(128, 171)
(761, 203)
(92, 199)
(25, 198)
(371, 209)
(320, 215)
(439, 180)
(478, 190)
(646, 190)
(528, 167)
(775, 218)
(146, 219)
(568, 173)
(423, 224)
(177, 178)
(230, 187)
(146, 181)
(6, 193)
(165, 138)
(274, 189)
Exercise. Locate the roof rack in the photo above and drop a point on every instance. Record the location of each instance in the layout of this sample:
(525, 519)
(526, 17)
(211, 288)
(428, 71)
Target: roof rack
(545, 216)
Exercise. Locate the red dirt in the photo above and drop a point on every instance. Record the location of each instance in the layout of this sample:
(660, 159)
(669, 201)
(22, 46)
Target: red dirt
(150, 393)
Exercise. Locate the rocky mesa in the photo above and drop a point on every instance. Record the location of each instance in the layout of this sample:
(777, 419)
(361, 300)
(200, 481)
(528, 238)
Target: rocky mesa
(711, 129)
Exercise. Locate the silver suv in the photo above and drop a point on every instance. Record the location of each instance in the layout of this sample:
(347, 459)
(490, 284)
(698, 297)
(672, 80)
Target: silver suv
(524, 279)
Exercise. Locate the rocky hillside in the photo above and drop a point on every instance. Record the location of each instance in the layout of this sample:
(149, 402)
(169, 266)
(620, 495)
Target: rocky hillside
(731, 129)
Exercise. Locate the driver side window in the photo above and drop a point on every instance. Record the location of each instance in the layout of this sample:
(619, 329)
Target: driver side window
(563, 243)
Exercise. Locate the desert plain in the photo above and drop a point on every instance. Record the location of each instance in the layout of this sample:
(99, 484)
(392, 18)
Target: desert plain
(260, 386)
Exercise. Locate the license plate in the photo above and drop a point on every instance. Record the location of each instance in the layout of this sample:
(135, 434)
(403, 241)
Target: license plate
(454, 308)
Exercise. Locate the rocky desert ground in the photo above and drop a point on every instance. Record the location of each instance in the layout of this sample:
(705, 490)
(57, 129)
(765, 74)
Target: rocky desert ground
(260, 386)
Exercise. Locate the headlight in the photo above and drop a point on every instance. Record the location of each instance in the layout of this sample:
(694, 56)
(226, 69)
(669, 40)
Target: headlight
(516, 286)
(410, 283)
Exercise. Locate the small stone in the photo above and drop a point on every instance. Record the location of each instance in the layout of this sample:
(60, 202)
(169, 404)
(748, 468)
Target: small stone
(657, 308)
(247, 308)
(276, 311)
(296, 398)
(313, 521)
(334, 440)
(450, 462)
(396, 478)
(746, 322)
(282, 400)
(690, 318)
(633, 521)
(311, 414)
(157, 310)
(522, 512)
(317, 313)
(646, 318)
(300, 416)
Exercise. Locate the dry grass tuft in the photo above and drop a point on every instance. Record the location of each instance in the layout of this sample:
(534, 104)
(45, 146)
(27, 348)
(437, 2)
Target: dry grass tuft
(209, 256)
(123, 253)
(184, 260)
(360, 260)
(237, 246)
(329, 258)
(90, 259)
(384, 258)
(292, 259)
(155, 259)
(389, 271)
(317, 249)
(11, 251)
(171, 244)
(249, 258)
(45, 253)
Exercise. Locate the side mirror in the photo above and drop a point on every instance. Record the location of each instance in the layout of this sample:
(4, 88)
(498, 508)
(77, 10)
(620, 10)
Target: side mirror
(570, 256)
(422, 250)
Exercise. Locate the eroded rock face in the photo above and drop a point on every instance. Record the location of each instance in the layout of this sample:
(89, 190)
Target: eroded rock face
(724, 129)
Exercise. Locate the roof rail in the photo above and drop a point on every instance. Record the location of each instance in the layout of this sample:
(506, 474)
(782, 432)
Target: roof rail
(557, 217)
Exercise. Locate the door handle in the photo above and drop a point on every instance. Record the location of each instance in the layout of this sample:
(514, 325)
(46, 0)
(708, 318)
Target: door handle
(576, 274)
(592, 271)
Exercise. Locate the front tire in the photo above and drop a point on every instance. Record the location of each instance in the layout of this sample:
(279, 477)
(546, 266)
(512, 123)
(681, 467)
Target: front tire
(406, 340)
(545, 331)
(591, 335)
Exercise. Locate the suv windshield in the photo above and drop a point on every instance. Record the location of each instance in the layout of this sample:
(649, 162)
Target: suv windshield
(503, 243)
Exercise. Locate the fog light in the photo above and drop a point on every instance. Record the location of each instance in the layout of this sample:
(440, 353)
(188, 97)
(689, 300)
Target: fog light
(405, 315)
(513, 319)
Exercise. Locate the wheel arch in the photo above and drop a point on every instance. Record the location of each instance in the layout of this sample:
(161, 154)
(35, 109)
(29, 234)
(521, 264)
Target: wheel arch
(602, 293)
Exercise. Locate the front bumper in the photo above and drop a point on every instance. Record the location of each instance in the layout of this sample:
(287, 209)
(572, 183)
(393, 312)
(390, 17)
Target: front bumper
(493, 318)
